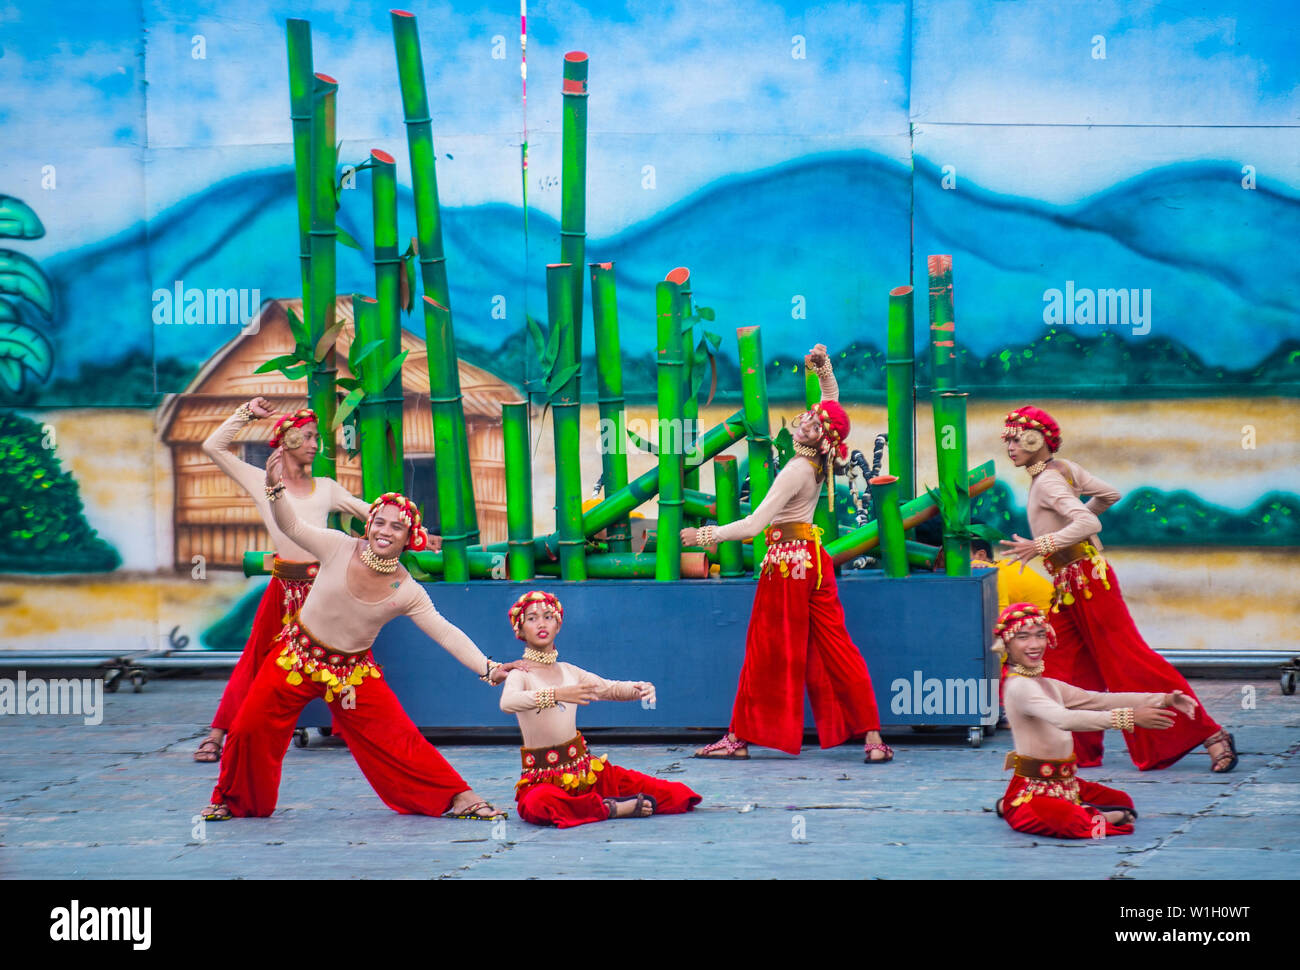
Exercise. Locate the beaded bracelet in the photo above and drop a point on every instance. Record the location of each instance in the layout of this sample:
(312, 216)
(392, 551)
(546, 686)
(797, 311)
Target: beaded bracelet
(1122, 718)
(545, 698)
(705, 536)
(245, 412)
(1046, 545)
(486, 676)
(274, 492)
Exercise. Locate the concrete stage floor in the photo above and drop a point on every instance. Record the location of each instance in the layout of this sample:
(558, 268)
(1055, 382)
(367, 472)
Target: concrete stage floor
(118, 801)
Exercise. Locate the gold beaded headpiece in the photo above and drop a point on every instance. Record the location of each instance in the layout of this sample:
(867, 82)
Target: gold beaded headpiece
(1019, 616)
(417, 538)
(288, 422)
(1033, 426)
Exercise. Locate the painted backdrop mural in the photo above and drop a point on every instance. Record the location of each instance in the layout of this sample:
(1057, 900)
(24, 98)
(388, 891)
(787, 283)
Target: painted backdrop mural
(1118, 186)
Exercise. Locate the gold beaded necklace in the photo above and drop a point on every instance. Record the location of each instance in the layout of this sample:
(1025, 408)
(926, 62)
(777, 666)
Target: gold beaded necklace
(1023, 671)
(374, 562)
(1036, 468)
(540, 657)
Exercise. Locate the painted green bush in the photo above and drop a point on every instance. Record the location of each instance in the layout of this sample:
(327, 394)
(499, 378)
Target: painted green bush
(43, 528)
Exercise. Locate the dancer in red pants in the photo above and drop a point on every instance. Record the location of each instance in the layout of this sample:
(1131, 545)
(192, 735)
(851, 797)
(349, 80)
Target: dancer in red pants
(797, 635)
(1046, 796)
(1100, 647)
(294, 568)
(359, 588)
(561, 783)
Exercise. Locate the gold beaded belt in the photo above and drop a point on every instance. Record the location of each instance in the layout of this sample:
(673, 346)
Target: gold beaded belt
(1063, 557)
(1042, 769)
(305, 656)
(787, 548)
(569, 766)
(297, 572)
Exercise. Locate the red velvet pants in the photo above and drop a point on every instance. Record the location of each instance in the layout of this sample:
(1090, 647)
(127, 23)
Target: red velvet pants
(547, 804)
(1062, 818)
(797, 638)
(404, 769)
(279, 602)
(1098, 647)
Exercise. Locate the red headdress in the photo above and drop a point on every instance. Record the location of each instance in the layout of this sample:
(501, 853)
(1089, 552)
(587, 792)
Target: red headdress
(521, 604)
(1015, 617)
(835, 428)
(417, 539)
(1022, 421)
(286, 421)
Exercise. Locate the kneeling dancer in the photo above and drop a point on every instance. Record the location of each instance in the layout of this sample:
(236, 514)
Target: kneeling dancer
(561, 783)
(1046, 796)
(796, 632)
(359, 588)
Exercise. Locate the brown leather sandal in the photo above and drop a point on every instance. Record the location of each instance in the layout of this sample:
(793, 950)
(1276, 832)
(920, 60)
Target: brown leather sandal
(209, 751)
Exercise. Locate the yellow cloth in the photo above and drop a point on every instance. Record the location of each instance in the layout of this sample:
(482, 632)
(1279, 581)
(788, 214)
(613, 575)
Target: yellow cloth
(1017, 587)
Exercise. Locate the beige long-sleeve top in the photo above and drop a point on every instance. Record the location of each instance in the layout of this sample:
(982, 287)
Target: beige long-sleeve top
(792, 497)
(558, 724)
(349, 624)
(1043, 712)
(1054, 506)
(326, 495)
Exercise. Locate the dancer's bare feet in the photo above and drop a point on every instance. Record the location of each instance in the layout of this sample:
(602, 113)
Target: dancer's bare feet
(210, 747)
(1120, 817)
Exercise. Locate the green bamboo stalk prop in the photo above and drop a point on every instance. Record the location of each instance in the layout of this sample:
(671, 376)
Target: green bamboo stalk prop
(668, 308)
(919, 554)
(943, 328)
(520, 562)
(900, 392)
(370, 421)
(950, 445)
(893, 548)
(428, 218)
(573, 182)
(730, 555)
(865, 538)
(645, 487)
(609, 396)
(753, 388)
(321, 394)
(704, 505)
(387, 403)
(478, 564)
(566, 422)
(691, 401)
(302, 83)
(444, 403)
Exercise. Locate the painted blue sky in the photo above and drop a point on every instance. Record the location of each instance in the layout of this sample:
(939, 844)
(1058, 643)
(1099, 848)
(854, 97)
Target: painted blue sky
(723, 73)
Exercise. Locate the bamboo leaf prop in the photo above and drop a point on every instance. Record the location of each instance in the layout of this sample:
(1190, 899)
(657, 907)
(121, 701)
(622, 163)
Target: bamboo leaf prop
(357, 358)
(326, 342)
(346, 239)
(642, 444)
(299, 330)
(348, 406)
(282, 363)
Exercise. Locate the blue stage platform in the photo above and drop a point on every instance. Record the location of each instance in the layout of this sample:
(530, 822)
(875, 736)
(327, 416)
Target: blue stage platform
(925, 639)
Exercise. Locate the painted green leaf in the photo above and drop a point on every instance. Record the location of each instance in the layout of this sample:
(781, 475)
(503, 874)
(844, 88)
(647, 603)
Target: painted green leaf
(345, 238)
(642, 443)
(557, 381)
(295, 373)
(11, 373)
(539, 339)
(552, 351)
(347, 383)
(20, 276)
(358, 357)
(25, 346)
(298, 328)
(18, 220)
(705, 313)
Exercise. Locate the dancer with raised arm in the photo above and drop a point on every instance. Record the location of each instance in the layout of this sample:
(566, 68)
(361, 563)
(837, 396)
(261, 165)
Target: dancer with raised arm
(561, 783)
(1046, 796)
(360, 586)
(797, 635)
(1100, 647)
(294, 568)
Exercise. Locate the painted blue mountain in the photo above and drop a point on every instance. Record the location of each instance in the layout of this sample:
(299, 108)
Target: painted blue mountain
(809, 250)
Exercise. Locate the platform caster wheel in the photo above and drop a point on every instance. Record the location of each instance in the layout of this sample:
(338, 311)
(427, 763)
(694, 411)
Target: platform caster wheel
(325, 732)
(300, 737)
(988, 730)
(138, 680)
(975, 737)
(1288, 682)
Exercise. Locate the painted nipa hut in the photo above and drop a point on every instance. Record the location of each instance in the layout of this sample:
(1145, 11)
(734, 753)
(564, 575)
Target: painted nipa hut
(213, 518)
